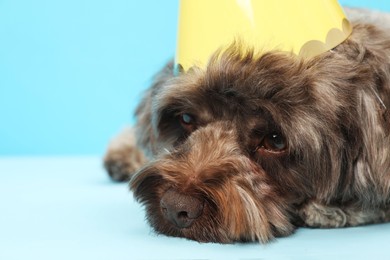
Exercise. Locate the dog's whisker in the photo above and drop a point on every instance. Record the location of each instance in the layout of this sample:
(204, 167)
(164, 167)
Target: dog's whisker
(379, 100)
(167, 151)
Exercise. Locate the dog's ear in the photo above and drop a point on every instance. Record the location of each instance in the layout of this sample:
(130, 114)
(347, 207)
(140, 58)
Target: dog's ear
(144, 128)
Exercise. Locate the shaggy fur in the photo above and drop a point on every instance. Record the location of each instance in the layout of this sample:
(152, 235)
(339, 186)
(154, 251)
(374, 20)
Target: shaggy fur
(209, 136)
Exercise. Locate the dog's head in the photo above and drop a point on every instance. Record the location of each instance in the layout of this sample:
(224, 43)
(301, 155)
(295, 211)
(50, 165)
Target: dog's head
(240, 145)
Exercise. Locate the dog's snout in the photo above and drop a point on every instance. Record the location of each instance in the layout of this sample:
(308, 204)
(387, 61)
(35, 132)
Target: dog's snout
(181, 209)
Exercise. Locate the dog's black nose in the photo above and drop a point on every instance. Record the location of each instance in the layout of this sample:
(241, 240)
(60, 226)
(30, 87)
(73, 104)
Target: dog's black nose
(180, 209)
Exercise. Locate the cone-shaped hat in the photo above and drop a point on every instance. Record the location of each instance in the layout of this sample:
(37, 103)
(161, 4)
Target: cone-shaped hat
(304, 27)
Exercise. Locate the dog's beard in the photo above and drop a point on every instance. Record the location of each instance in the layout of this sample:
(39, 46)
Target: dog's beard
(239, 202)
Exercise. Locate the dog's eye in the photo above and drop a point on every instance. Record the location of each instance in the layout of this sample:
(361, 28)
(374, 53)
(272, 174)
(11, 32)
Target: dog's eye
(187, 121)
(273, 143)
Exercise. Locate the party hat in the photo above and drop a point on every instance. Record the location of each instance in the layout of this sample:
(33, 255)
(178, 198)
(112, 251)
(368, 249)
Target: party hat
(304, 27)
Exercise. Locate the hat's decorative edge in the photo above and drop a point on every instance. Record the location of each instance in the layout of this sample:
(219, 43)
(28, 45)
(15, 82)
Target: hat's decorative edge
(310, 49)
(334, 37)
(313, 33)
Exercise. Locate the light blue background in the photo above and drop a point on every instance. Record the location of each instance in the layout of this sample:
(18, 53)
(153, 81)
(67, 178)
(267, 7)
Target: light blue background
(71, 71)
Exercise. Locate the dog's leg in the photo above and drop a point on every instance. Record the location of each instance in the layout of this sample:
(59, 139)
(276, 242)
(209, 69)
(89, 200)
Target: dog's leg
(123, 157)
(359, 217)
(127, 152)
(315, 214)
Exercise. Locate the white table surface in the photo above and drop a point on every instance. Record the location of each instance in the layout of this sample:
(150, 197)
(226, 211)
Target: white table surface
(67, 208)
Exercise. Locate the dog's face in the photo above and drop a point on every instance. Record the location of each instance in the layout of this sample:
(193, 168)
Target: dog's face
(240, 145)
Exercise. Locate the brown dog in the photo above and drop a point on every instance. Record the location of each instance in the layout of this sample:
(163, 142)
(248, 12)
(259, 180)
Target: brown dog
(252, 147)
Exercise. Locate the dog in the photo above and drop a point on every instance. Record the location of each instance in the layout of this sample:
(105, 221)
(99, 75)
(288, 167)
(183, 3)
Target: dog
(252, 147)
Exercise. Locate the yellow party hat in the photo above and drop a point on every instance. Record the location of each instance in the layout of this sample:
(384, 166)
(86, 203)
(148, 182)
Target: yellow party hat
(304, 27)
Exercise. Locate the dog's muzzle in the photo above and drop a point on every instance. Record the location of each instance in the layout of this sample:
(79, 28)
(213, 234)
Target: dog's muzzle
(180, 209)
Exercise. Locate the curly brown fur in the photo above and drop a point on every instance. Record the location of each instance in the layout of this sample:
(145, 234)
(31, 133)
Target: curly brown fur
(333, 169)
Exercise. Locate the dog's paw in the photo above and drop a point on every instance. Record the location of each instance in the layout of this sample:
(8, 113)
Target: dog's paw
(123, 157)
(315, 214)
